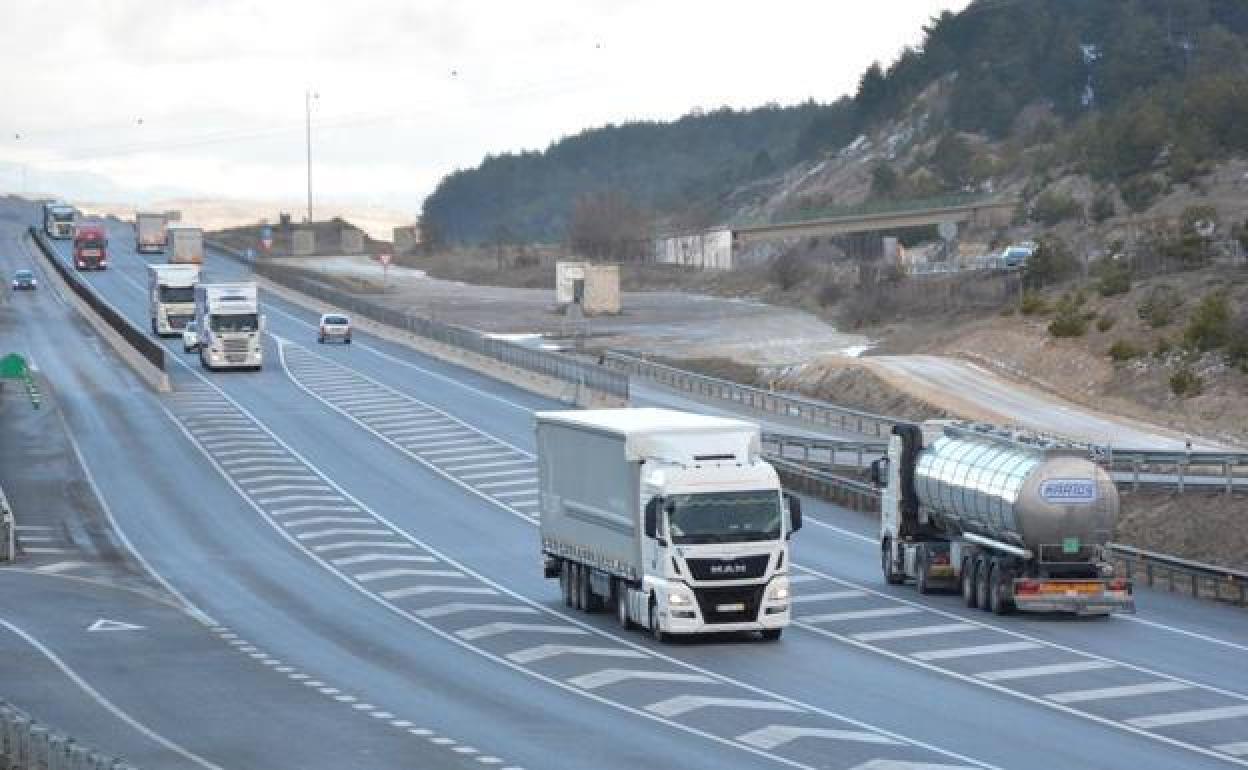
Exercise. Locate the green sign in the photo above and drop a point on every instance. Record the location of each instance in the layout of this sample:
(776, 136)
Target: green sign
(1070, 545)
(13, 367)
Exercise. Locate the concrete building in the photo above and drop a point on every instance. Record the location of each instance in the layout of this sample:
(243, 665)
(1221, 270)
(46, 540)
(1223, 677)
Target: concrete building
(596, 288)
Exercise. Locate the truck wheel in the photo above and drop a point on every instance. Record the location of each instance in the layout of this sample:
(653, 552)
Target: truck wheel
(891, 576)
(772, 634)
(655, 631)
(968, 582)
(998, 601)
(983, 571)
(585, 593)
(920, 569)
(565, 582)
(621, 605)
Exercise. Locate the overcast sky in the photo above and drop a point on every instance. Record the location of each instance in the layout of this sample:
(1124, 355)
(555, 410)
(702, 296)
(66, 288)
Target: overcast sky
(138, 98)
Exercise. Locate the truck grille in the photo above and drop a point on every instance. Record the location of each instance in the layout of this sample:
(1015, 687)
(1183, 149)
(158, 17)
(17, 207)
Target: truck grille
(178, 321)
(740, 568)
(234, 346)
(736, 604)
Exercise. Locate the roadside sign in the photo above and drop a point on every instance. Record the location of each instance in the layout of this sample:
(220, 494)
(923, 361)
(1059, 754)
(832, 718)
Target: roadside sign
(1070, 545)
(384, 259)
(12, 367)
(266, 237)
(948, 230)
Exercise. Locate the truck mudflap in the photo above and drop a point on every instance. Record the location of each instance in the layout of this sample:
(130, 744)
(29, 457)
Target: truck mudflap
(1080, 596)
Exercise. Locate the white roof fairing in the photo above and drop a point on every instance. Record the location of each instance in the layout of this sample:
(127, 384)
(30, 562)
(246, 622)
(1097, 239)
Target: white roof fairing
(665, 433)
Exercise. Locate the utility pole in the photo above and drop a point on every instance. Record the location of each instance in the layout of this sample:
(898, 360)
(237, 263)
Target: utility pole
(308, 96)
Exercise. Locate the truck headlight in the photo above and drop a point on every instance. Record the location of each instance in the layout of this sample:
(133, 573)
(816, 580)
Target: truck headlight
(779, 591)
(677, 600)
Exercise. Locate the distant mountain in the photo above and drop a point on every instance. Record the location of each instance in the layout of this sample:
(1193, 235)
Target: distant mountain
(1136, 94)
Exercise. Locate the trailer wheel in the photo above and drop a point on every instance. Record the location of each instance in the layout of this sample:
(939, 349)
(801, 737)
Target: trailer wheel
(998, 602)
(983, 571)
(968, 582)
(586, 601)
(565, 582)
(621, 605)
(655, 630)
(891, 576)
(920, 569)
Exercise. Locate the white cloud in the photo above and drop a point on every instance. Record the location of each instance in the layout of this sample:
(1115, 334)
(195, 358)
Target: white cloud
(207, 97)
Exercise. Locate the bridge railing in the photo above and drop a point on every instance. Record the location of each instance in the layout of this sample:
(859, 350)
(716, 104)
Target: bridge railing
(797, 216)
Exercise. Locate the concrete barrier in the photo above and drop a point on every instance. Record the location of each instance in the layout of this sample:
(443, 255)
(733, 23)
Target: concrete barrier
(26, 744)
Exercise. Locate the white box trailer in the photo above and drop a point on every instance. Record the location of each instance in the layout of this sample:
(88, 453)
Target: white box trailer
(185, 244)
(670, 518)
(228, 321)
(171, 297)
(149, 231)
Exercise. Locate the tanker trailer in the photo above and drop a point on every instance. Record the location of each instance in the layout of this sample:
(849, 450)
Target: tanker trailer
(1012, 520)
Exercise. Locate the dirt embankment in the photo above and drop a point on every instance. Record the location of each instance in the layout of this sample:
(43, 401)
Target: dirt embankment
(854, 385)
(1207, 527)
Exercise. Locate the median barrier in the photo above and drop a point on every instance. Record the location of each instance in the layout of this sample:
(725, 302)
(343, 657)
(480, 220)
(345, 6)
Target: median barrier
(27, 744)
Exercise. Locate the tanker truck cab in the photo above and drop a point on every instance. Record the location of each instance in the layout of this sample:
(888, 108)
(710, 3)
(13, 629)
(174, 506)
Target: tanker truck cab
(671, 520)
(1009, 520)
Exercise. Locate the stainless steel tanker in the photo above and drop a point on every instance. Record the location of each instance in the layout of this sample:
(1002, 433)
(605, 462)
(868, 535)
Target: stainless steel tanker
(1013, 521)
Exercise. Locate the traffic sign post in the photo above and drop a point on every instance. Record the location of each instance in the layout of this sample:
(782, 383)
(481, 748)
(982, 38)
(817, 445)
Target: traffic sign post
(384, 259)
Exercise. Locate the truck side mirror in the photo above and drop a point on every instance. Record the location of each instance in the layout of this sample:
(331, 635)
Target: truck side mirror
(651, 519)
(794, 504)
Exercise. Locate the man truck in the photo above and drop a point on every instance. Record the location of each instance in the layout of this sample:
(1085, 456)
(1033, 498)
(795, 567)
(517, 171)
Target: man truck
(171, 297)
(90, 246)
(671, 519)
(58, 220)
(229, 324)
(149, 231)
(1012, 520)
(185, 245)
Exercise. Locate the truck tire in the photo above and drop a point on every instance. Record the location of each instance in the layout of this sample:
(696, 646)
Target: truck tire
(983, 572)
(655, 630)
(565, 582)
(920, 571)
(968, 581)
(891, 576)
(772, 634)
(621, 605)
(585, 593)
(998, 600)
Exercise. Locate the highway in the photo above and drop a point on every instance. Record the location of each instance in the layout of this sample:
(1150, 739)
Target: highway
(345, 574)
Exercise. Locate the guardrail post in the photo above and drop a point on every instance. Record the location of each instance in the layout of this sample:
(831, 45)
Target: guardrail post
(1182, 469)
(1230, 479)
(1135, 477)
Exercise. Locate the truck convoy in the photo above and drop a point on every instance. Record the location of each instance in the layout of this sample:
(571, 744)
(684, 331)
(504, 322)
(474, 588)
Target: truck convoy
(229, 324)
(185, 244)
(1014, 521)
(90, 246)
(671, 519)
(58, 220)
(171, 297)
(149, 231)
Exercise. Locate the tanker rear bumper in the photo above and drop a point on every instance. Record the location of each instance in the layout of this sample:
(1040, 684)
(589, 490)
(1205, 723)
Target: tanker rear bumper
(1076, 599)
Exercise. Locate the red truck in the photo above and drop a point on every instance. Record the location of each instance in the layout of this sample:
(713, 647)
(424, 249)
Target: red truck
(90, 247)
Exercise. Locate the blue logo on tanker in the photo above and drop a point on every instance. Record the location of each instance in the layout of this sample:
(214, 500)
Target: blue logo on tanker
(1068, 490)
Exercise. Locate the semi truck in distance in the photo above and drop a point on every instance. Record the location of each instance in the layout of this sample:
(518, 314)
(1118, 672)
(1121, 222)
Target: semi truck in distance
(171, 297)
(227, 318)
(149, 231)
(670, 519)
(90, 246)
(58, 220)
(1009, 519)
(184, 244)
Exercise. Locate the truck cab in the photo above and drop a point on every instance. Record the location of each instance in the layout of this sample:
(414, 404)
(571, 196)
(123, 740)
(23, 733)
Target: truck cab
(58, 220)
(229, 326)
(171, 297)
(90, 247)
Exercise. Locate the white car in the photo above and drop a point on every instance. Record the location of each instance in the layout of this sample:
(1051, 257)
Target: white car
(334, 326)
(190, 337)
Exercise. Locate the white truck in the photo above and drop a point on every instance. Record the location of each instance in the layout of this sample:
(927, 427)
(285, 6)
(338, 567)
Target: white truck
(671, 519)
(171, 297)
(1012, 520)
(227, 316)
(149, 231)
(185, 244)
(59, 219)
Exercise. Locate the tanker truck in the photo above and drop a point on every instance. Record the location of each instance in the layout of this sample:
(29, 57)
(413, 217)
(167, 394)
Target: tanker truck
(1011, 520)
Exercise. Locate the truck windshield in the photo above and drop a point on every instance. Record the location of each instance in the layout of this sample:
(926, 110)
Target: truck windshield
(724, 517)
(177, 294)
(92, 243)
(63, 216)
(243, 322)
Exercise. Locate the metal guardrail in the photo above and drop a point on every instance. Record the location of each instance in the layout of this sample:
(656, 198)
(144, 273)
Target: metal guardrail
(136, 337)
(851, 493)
(1199, 579)
(818, 414)
(26, 744)
(8, 530)
(559, 366)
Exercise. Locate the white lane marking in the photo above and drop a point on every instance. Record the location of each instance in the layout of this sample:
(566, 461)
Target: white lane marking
(321, 508)
(48, 550)
(486, 630)
(1237, 749)
(36, 538)
(358, 544)
(386, 574)
(683, 704)
(342, 532)
(906, 633)
(1027, 672)
(773, 736)
(499, 464)
(1185, 632)
(982, 649)
(287, 488)
(104, 624)
(530, 492)
(461, 453)
(274, 477)
(371, 557)
(106, 703)
(298, 498)
(454, 608)
(498, 474)
(1189, 717)
(826, 596)
(459, 442)
(251, 454)
(877, 612)
(473, 454)
(610, 676)
(282, 464)
(402, 593)
(33, 528)
(545, 651)
(804, 578)
(529, 480)
(901, 764)
(328, 520)
(1124, 691)
(62, 566)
